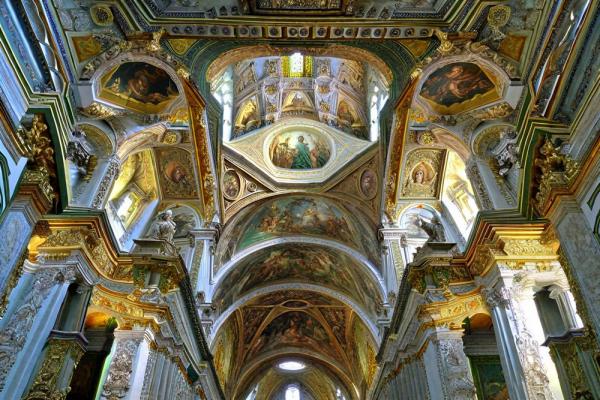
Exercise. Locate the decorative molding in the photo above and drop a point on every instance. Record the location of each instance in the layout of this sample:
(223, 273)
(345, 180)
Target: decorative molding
(554, 171)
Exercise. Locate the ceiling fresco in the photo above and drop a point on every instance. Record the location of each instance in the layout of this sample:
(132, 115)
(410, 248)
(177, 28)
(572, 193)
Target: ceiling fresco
(297, 215)
(296, 151)
(300, 322)
(301, 263)
(138, 86)
(458, 87)
(287, 138)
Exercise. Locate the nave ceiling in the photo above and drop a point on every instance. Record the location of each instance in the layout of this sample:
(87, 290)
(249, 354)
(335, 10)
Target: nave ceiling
(291, 132)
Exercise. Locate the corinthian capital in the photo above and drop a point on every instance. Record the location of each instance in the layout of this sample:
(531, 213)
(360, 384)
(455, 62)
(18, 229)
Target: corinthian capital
(496, 297)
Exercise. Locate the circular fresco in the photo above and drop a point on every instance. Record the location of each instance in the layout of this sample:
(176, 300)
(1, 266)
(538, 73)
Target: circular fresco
(299, 150)
(368, 183)
(231, 184)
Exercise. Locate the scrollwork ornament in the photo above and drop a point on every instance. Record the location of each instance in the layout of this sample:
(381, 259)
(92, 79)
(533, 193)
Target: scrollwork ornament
(99, 111)
(554, 169)
(44, 385)
(455, 367)
(117, 382)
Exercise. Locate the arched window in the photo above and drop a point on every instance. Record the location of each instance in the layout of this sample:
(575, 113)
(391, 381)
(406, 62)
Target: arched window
(292, 393)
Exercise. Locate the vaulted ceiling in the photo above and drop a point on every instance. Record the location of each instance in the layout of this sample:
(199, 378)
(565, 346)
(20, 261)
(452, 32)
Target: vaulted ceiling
(295, 128)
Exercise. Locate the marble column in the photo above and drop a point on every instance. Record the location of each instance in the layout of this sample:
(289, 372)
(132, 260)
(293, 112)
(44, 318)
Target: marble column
(582, 261)
(524, 371)
(28, 206)
(206, 243)
(447, 367)
(127, 364)
(148, 375)
(392, 262)
(29, 319)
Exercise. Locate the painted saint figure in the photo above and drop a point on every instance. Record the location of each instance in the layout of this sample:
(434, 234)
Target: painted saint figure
(302, 158)
(306, 154)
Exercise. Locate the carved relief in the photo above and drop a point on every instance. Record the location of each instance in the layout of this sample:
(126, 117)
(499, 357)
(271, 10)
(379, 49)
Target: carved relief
(14, 335)
(117, 383)
(553, 169)
(44, 385)
(455, 370)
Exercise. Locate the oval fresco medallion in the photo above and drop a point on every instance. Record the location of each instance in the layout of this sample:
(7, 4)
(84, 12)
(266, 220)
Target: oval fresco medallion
(368, 183)
(231, 184)
(299, 150)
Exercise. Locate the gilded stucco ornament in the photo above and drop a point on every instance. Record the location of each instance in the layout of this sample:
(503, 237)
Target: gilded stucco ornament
(99, 111)
(39, 150)
(120, 306)
(61, 243)
(101, 14)
(554, 170)
(154, 44)
(498, 16)
(59, 351)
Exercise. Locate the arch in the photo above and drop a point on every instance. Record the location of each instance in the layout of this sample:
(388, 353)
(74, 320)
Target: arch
(247, 298)
(300, 263)
(247, 252)
(253, 370)
(232, 56)
(243, 230)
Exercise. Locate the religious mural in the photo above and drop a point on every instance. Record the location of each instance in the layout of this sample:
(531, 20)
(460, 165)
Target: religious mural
(299, 150)
(458, 87)
(300, 263)
(231, 184)
(175, 173)
(299, 215)
(422, 171)
(295, 328)
(138, 86)
(368, 183)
